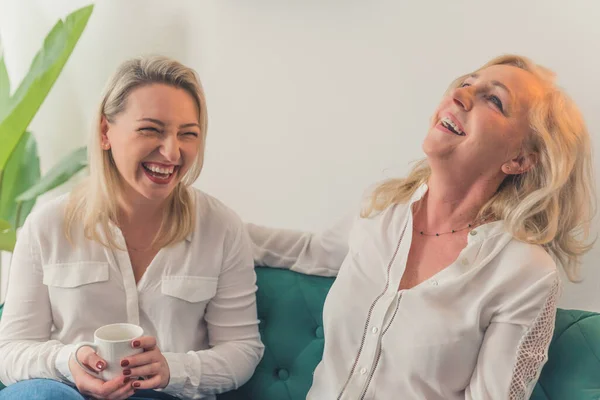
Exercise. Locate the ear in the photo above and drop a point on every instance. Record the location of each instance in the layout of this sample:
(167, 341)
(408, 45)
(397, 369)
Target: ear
(104, 127)
(520, 164)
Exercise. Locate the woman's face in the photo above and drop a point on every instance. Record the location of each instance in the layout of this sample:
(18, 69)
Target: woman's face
(479, 128)
(154, 141)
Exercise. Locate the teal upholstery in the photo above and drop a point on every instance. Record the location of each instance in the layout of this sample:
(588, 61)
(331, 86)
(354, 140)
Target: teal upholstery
(573, 368)
(291, 326)
(290, 310)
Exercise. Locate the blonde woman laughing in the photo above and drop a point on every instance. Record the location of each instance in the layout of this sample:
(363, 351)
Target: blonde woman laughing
(446, 282)
(135, 243)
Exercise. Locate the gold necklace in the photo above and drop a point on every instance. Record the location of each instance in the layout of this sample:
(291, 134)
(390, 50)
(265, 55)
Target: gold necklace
(423, 233)
(139, 249)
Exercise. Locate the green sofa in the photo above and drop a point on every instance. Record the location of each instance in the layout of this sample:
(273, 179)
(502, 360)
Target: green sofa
(290, 308)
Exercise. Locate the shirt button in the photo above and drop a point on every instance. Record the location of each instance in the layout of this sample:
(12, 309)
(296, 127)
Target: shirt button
(464, 262)
(363, 371)
(434, 282)
(375, 329)
(473, 232)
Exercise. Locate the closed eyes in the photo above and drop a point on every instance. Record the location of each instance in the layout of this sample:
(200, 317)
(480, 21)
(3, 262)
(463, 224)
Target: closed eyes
(492, 98)
(152, 129)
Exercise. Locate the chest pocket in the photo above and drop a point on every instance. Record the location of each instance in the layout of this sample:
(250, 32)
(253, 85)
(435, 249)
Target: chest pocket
(192, 289)
(73, 275)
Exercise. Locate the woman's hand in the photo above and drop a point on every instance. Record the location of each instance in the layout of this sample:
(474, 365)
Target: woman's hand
(151, 364)
(118, 388)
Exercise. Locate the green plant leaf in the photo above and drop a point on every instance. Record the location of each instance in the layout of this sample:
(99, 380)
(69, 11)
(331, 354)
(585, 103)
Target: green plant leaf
(22, 172)
(44, 70)
(4, 88)
(8, 237)
(59, 174)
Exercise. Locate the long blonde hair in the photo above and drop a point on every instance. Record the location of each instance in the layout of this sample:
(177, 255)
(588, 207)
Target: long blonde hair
(553, 203)
(94, 202)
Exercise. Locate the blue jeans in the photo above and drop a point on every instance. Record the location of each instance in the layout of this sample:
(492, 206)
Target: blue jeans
(46, 389)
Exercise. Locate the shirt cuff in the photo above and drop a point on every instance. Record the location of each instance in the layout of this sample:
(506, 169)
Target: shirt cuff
(61, 363)
(178, 375)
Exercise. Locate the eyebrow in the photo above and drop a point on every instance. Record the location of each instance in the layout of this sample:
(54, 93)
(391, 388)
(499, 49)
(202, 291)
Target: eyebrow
(496, 83)
(159, 122)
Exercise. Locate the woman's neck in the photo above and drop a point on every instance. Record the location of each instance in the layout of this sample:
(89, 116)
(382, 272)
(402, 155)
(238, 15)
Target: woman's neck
(450, 205)
(139, 213)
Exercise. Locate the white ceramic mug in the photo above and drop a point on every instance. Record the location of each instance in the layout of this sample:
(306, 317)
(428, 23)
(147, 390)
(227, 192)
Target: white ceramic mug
(112, 343)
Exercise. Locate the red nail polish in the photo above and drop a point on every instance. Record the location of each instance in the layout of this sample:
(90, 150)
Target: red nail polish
(126, 380)
(100, 365)
(136, 343)
(127, 372)
(136, 384)
(124, 363)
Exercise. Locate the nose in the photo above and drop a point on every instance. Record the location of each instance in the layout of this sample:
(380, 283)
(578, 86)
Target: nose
(170, 149)
(463, 97)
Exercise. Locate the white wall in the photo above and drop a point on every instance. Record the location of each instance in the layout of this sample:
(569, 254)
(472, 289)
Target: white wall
(309, 101)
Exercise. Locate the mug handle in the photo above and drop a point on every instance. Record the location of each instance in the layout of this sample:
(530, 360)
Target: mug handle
(86, 369)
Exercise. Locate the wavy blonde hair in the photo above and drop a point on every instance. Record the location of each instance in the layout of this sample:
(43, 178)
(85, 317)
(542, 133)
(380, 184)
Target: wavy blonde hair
(94, 202)
(553, 203)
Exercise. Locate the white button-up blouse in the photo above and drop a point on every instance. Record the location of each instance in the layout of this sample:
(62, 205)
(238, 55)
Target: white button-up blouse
(197, 297)
(478, 329)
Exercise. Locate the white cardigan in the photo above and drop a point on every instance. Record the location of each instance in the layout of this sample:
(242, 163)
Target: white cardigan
(197, 298)
(479, 329)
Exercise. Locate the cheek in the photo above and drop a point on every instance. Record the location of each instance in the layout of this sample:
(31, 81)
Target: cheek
(190, 153)
(128, 154)
(510, 137)
(491, 126)
(126, 166)
(496, 144)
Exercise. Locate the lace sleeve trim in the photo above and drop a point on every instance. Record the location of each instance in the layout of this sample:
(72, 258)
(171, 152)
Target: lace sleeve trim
(532, 352)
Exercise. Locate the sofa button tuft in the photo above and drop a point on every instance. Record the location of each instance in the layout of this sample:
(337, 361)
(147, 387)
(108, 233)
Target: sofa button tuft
(283, 374)
(319, 332)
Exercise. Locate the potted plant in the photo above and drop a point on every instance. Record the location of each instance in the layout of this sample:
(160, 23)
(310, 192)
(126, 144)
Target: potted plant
(20, 178)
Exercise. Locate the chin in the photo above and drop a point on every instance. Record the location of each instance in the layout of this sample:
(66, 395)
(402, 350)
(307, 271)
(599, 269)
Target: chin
(430, 146)
(435, 146)
(156, 195)
(438, 154)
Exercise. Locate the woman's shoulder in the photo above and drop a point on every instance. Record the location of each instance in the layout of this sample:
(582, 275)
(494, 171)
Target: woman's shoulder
(524, 284)
(49, 215)
(528, 263)
(211, 210)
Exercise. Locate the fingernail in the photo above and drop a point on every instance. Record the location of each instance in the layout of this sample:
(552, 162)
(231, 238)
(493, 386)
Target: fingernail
(136, 384)
(100, 365)
(136, 343)
(124, 363)
(127, 372)
(126, 380)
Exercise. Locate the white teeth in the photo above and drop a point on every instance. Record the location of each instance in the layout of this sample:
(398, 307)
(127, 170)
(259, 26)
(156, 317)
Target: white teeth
(448, 121)
(160, 170)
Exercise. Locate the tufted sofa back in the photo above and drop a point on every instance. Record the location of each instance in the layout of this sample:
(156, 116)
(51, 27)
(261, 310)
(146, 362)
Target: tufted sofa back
(290, 308)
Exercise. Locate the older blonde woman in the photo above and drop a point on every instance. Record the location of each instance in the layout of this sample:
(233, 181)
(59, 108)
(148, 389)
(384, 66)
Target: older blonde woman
(135, 243)
(447, 283)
